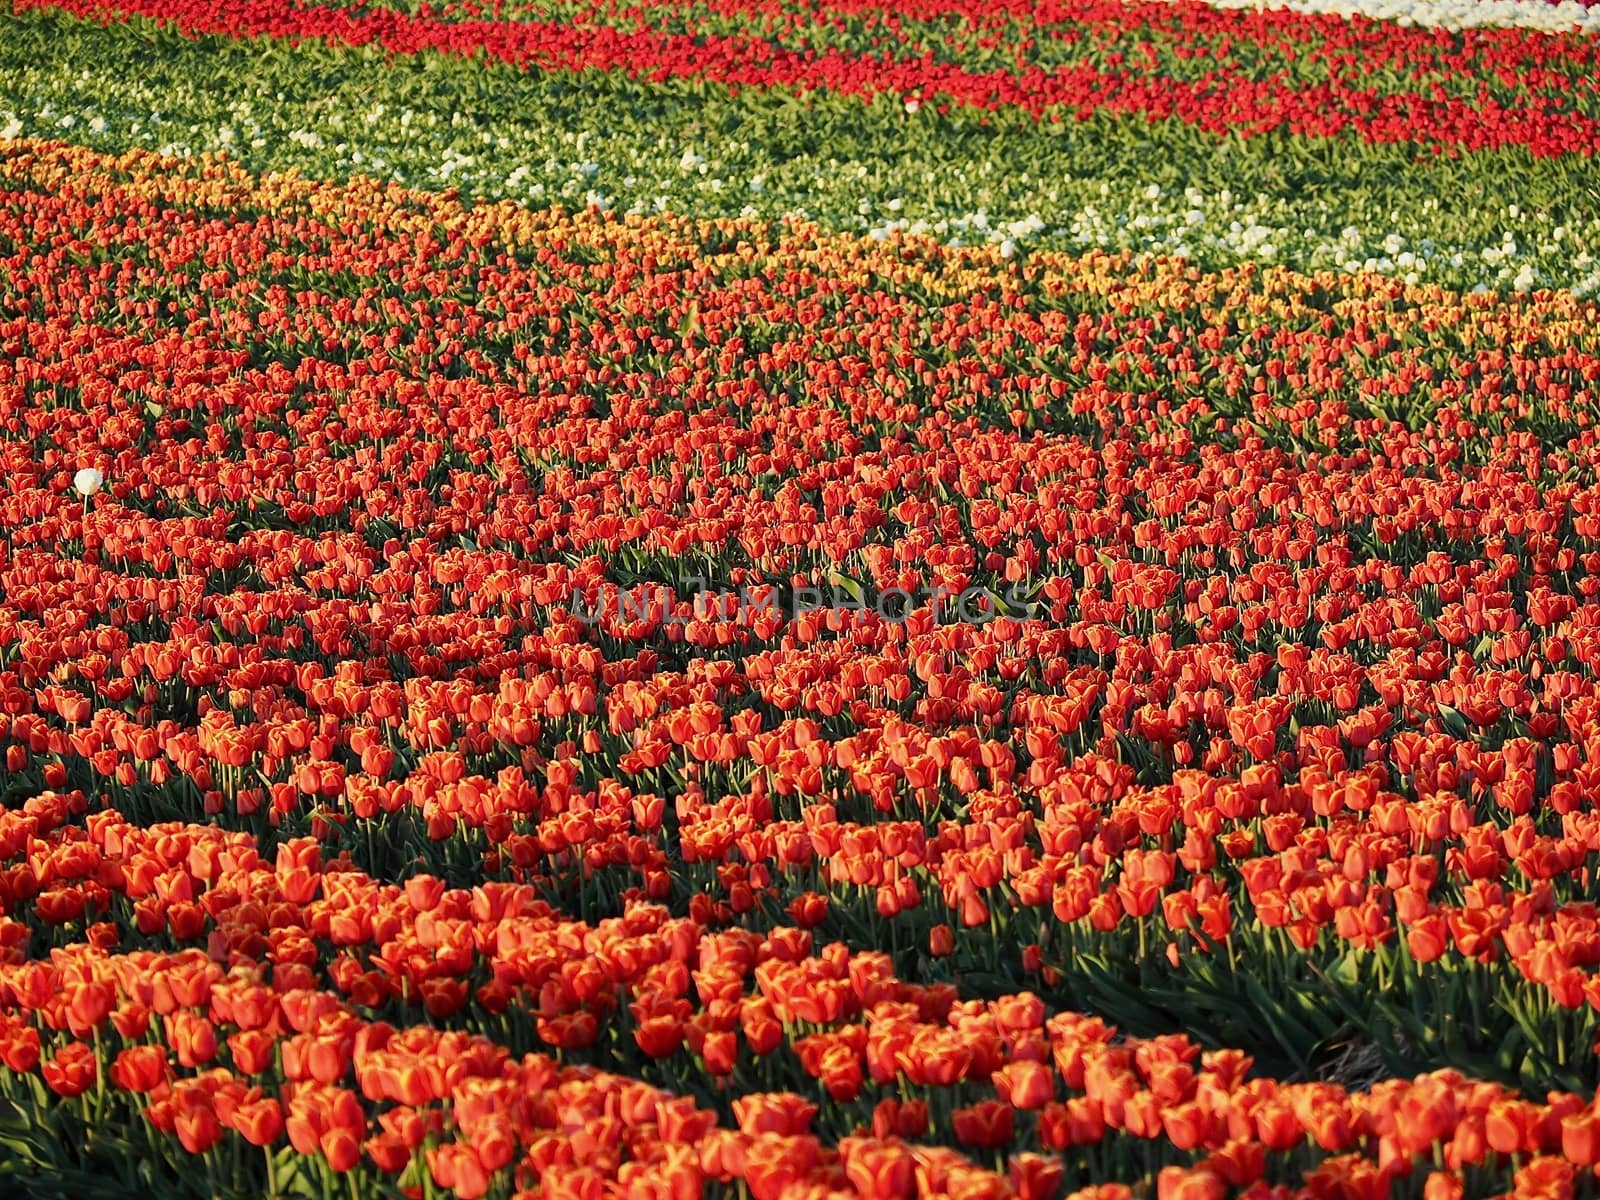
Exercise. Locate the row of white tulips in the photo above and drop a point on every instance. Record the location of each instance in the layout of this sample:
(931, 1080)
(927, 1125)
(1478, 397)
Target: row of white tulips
(1550, 16)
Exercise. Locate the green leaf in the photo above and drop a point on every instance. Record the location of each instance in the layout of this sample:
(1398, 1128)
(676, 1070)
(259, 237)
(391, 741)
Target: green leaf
(1455, 724)
(1296, 1040)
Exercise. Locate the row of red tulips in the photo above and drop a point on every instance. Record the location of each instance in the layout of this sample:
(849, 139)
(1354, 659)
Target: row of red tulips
(1180, 38)
(241, 1040)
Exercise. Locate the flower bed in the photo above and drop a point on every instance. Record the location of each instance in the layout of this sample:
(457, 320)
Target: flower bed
(1551, 112)
(507, 701)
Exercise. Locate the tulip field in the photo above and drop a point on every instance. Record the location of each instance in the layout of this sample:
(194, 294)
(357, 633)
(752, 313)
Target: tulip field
(800, 600)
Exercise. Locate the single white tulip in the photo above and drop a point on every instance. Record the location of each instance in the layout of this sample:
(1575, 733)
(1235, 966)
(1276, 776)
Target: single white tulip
(88, 481)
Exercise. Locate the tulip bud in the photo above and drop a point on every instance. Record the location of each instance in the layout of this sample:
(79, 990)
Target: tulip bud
(88, 481)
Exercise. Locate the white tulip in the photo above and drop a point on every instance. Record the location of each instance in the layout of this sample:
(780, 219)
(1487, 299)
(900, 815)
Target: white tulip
(88, 481)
